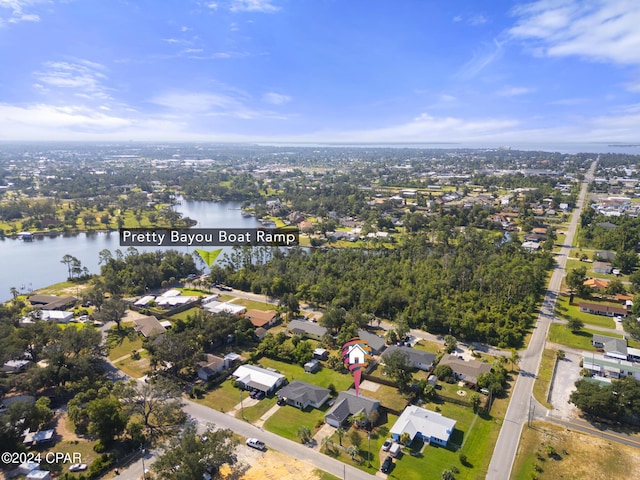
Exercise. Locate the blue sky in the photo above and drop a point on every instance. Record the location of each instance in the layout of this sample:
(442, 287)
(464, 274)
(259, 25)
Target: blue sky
(471, 71)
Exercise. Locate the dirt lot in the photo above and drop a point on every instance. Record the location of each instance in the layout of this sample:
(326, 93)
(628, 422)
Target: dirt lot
(272, 465)
(578, 456)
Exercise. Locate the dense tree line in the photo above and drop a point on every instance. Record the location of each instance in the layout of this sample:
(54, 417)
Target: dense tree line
(470, 287)
(134, 273)
(617, 401)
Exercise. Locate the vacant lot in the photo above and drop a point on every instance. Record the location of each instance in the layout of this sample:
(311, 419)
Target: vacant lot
(286, 421)
(580, 340)
(577, 455)
(223, 397)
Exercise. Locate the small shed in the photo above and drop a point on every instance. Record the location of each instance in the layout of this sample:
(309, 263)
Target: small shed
(432, 380)
(320, 354)
(312, 367)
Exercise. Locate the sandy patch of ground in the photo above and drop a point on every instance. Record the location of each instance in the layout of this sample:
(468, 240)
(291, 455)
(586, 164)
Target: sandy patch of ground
(273, 465)
(369, 385)
(64, 428)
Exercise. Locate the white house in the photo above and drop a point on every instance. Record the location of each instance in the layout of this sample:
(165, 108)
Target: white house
(430, 426)
(219, 307)
(59, 316)
(251, 376)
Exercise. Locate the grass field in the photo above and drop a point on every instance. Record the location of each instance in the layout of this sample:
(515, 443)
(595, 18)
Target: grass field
(286, 421)
(428, 346)
(577, 456)
(567, 311)
(253, 414)
(580, 340)
(135, 368)
(389, 397)
(322, 378)
(254, 305)
(126, 345)
(572, 264)
(186, 314)
(541, 385)
(223, 398)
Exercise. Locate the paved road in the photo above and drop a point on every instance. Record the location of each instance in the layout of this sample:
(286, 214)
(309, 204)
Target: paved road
(205, 415)
(506, 447)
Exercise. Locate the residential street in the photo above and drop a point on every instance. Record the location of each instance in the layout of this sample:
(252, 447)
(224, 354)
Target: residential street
(517, 413)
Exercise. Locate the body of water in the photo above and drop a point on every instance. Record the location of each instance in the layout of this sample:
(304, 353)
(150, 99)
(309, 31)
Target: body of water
(32, 265)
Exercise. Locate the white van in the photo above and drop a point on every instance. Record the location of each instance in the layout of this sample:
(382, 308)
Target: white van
(395, 449)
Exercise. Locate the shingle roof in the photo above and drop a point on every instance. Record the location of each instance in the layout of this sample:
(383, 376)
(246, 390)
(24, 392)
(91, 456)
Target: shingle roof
(415, 356)
(303, 392)
(299, 326)
(375, 342)
(148, 326)
(348, 403)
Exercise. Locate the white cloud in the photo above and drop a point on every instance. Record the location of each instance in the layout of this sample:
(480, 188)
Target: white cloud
(16, 11)
(81, 77)
(276, 98)
(212, 5)
(482, 59)
(264, 6)
(597, 29)
(515, 91)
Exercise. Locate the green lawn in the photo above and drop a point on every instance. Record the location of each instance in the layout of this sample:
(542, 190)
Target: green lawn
(541, 385)
(286, 421)
(369, 453)
(389, 397)
(566, 311)
(581, 339)
(135, 368)
(192, 292)
(572, 264)
(184, 315)
(253, 414)
(322, 378)
(254, 305)
(122, 342)
(428, 346)
(223, 397)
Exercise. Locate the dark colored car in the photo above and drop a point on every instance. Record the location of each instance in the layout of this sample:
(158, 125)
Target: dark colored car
(386, 465)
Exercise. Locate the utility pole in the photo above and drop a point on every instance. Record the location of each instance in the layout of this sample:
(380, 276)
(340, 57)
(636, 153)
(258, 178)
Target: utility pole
(369, 447)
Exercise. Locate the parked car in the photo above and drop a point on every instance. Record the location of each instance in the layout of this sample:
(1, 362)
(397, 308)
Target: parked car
(78, 467)
(255, 443)
(386, 465)
(259, 395)
(387, 445)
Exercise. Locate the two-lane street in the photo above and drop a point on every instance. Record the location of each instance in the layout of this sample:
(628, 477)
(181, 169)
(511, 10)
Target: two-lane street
(506, 447)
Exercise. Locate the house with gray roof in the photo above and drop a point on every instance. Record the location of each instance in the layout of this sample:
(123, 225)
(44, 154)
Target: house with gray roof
(376, 343)
(302, 395)
(148, 326)
(613, 347)
(307, 329)
(467, 371)
(348, 404)
(417, 358)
